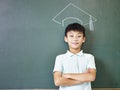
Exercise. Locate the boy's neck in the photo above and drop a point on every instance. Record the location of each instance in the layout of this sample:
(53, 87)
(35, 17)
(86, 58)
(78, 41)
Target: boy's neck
(74, 51)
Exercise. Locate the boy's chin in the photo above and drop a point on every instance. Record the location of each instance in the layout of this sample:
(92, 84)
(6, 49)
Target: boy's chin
(76, 48)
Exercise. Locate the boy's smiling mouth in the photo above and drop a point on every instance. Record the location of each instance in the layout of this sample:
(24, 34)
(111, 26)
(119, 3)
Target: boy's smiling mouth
(75, 43)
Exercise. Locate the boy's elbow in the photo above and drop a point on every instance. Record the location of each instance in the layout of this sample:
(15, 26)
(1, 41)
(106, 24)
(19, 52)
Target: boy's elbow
(92, 78)
(57, 82)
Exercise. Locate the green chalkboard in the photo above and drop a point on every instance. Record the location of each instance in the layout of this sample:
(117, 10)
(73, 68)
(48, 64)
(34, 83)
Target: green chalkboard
(31, 35)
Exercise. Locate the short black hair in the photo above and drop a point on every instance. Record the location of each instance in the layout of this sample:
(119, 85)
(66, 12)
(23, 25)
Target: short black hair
(75, 27)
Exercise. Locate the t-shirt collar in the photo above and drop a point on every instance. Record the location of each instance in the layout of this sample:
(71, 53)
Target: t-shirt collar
(71, 54)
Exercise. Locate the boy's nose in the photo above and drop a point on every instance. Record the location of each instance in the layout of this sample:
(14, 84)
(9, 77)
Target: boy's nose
(75, 38)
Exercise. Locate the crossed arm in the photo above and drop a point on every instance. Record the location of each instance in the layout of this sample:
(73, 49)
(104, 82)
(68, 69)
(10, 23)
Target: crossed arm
(69, 79)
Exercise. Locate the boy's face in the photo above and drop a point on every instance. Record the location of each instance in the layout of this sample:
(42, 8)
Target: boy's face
(75, 39)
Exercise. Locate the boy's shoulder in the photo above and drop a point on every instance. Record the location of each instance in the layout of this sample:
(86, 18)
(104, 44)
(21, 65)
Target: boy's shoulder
(88, 55)
(63, 55)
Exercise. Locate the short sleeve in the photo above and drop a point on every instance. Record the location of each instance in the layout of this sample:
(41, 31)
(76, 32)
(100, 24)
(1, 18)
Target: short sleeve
(91, 62)
(58, 64)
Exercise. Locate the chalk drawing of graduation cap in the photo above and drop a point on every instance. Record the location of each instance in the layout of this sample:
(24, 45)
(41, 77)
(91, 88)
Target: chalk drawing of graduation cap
(71, 13)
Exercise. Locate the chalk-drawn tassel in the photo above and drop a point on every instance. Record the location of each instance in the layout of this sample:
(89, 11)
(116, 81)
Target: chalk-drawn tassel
(91, 23)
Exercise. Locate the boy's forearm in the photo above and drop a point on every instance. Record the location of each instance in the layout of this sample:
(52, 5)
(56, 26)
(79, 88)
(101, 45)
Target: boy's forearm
(67, 82)
(88, 76)
(84, 77)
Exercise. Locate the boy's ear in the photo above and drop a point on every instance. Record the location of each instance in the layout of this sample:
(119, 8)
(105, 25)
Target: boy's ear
(65, 39)
(84, 39)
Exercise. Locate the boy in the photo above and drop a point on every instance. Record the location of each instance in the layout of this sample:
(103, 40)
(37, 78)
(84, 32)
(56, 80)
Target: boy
(74, 70)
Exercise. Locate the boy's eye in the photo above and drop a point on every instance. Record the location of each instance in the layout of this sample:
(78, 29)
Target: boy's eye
(71, 35)
(79, 36)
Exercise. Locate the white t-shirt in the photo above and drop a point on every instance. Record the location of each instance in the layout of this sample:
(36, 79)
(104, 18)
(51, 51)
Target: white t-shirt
(74, 63)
